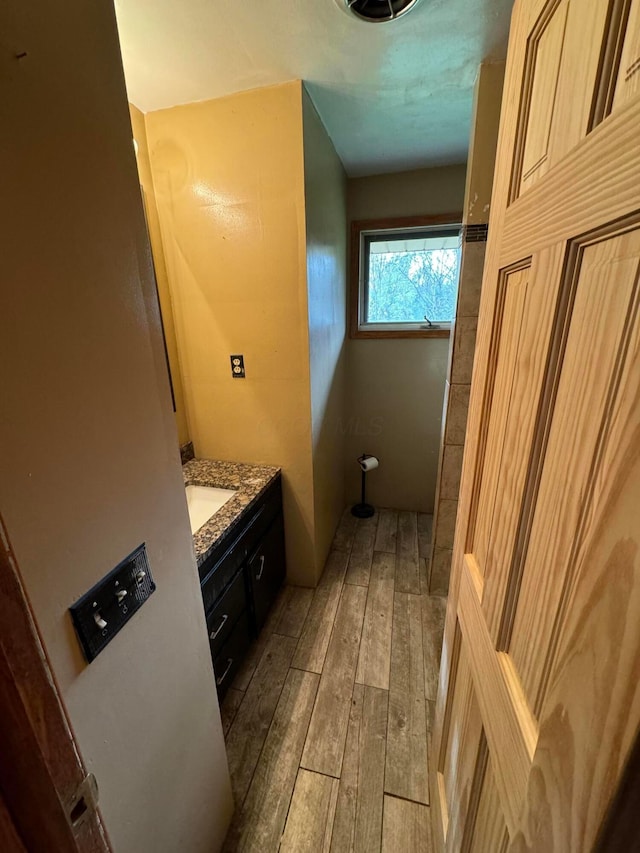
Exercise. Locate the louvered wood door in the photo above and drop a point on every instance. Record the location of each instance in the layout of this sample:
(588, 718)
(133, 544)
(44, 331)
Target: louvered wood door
(539, 697)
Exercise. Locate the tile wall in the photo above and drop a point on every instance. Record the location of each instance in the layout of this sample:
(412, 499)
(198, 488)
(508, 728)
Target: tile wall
(456, 404)
(477, 204)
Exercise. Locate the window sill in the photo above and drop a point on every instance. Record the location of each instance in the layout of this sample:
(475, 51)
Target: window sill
(369, 334)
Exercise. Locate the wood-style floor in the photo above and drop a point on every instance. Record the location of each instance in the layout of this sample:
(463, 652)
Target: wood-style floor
(327, 723)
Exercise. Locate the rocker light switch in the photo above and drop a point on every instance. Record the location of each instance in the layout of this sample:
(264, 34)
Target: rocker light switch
(237, 366)
(108, 606)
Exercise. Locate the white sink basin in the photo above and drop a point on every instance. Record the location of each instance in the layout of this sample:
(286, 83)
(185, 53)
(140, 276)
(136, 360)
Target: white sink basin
(203, 502)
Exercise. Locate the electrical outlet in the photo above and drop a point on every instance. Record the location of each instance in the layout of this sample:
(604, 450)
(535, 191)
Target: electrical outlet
(237, 366)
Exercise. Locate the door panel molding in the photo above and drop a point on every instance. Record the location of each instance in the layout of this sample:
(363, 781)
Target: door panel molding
(513, 302)
(581, 192)
(477, 785)
(622, 398)
(494, 344)
(604, 312)
(555, 114)
(505, 596)
(512, 424)
(464, 749)
(510, 728)
(489, 831)
(544, 53)
(610, 59)
(627, 82)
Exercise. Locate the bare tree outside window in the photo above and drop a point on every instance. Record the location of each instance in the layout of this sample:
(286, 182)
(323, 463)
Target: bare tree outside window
(407, 286)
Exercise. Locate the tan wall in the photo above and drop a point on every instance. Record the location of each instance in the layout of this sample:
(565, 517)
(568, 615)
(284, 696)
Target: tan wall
(415, 193)
(146, 180)
(395, 388)
(326, 232)
(88, 444)
(484, 140)
(228, 176)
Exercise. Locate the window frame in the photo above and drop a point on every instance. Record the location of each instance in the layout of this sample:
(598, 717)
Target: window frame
(362, 227)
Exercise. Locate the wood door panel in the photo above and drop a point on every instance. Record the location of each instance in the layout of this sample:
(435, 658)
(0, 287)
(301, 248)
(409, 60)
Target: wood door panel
(512, 303)
(597, 184)
(464, 738)
(592, 707)
(604, 315)
(547, 51)
(542, 633)
(563, 80)
(510, 728)
(513, 412)
(490, 830)
(628, 77)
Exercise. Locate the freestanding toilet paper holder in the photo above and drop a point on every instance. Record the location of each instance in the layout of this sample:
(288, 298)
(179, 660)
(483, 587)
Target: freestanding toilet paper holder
(363, 509)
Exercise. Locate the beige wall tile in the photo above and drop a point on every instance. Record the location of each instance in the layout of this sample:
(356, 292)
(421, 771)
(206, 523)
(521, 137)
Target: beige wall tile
(440, 571)
(470, 279)
(456, 422)
(452, 340)
(446, 527)
(463, 350)
(451, 470)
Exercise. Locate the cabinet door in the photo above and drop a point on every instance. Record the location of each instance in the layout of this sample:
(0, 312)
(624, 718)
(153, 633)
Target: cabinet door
(267, 570)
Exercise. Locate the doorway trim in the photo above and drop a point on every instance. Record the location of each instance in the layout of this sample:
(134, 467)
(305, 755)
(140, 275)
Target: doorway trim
(43, 781)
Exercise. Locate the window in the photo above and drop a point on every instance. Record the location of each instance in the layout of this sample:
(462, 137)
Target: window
(404, 277)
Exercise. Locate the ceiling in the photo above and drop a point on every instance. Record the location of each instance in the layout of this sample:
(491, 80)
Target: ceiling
(392, 96)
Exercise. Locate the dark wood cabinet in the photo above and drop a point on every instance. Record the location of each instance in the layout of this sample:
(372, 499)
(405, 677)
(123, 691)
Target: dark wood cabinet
(240, 581)
(266, 571)
(227, 662)
(225, 612)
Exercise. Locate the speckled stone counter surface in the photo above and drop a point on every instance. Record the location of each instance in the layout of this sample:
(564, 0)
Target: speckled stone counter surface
(250, 481)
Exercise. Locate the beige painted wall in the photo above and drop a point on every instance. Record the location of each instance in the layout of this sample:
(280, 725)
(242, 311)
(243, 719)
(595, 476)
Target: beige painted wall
(415, 193)
(395, 388)
(487, 102)
(228, 177)
(160, 267)
(88, 444)
(326, 232)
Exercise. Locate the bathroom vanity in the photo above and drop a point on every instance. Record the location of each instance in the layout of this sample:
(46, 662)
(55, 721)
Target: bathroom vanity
(240, 555)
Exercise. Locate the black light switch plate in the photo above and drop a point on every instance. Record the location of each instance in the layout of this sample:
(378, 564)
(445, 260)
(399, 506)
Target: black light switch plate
(237, 366)
(108, 606)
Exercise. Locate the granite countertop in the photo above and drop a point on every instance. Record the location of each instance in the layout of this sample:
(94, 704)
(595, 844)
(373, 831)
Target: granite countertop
(250, 481)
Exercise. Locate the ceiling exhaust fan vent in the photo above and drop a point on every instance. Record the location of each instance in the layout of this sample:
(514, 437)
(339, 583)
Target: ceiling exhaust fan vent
(378, 11)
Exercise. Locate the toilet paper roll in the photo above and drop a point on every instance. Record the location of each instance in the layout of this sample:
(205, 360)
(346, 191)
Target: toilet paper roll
(368, 463)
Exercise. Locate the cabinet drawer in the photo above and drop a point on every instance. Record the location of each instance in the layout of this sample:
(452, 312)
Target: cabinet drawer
(227, 662)
(221, 573)
(224, 615)
(267, 570)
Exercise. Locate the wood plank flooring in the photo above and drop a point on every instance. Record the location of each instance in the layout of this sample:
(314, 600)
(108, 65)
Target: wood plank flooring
(327, 724)
(406, 773)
